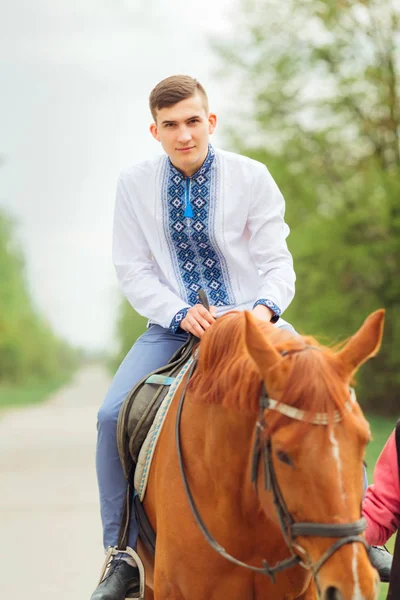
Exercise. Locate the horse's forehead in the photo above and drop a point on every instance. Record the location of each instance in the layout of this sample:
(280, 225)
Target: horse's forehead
(312, 438)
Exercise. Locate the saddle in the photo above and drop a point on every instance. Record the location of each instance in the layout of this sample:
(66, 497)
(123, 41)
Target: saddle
(134, 422)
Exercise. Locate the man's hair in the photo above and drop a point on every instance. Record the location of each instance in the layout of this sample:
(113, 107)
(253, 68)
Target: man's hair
(174, 89)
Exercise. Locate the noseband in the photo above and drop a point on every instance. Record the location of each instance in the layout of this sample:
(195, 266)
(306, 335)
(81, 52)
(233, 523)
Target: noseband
(346, 533)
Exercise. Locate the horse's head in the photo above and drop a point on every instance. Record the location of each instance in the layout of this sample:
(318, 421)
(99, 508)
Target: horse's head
(315, 452)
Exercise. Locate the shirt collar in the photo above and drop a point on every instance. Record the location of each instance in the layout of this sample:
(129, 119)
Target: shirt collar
(205, 167)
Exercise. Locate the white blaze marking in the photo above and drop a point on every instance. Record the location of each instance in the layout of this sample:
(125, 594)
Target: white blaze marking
(336, 456)
(357, 595)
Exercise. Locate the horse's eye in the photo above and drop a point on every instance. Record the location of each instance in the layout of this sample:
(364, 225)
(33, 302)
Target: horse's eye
(283, 457)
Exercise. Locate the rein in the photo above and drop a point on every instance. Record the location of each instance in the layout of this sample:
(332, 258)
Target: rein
(347, 533)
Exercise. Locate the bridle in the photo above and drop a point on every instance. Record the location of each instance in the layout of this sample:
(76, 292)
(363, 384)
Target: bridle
(346, 533)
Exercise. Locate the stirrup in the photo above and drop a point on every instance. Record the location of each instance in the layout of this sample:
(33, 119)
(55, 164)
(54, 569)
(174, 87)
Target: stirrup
(113, 551)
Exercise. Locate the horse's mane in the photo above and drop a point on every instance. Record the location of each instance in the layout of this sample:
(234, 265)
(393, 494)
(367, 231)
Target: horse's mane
(227, 375)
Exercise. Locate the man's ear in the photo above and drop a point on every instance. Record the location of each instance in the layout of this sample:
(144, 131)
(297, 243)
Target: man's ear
(154, 132)
(212, 122)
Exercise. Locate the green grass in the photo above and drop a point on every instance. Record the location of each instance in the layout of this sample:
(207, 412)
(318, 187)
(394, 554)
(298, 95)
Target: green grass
(13, 396)
(381, 428)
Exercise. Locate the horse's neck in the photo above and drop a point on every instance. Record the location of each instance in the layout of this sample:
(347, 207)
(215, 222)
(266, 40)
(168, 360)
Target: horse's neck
(227, 438)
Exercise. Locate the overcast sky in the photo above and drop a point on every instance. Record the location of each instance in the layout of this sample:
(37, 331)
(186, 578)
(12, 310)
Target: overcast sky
(74, 82)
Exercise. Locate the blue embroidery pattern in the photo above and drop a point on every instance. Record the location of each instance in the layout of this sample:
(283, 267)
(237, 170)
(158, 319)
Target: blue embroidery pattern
(197, 260)
(274, 307)
(177, 320)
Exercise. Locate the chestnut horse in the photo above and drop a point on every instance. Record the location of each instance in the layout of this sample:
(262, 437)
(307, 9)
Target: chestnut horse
(280, 483)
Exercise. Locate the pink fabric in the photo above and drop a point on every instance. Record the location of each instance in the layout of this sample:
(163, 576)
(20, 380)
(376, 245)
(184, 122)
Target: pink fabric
(381, 505)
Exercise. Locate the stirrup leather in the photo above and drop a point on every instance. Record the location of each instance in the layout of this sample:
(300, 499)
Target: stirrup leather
(113, 551)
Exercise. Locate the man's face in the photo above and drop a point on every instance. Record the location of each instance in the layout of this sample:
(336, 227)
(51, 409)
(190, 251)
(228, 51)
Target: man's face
(183, 130)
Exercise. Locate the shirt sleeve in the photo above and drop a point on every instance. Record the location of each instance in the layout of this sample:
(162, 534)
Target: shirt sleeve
(177, 320)
(268, 248)
(135, 268)
(272, 306)
(381, 505)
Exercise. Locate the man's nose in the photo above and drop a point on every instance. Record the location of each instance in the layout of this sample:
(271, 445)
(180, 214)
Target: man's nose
(184, 135)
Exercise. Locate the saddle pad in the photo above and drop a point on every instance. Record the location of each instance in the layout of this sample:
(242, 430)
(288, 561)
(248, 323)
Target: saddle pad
(147, 450)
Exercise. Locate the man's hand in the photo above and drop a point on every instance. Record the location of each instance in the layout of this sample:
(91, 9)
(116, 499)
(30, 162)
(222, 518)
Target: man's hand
(262, 312)
(198, 319)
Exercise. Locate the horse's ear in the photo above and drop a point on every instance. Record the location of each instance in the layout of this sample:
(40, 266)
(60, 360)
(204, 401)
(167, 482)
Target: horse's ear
(262, 352)
(364, 344)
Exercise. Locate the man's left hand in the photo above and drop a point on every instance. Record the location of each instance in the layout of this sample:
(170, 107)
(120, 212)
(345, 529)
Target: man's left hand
(262, 312)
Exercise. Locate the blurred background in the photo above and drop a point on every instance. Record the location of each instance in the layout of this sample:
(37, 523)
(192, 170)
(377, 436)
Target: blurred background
(309, 87)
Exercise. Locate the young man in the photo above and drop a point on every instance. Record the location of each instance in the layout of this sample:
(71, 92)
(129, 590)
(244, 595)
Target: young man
(194, 218)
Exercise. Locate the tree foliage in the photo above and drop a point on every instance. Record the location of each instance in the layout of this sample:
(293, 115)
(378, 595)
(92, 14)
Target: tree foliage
(319, 83)
(130, 326)
(29, 349)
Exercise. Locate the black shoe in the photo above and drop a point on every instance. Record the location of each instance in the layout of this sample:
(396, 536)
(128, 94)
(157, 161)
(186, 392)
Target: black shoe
(381, 559)
(120, 580)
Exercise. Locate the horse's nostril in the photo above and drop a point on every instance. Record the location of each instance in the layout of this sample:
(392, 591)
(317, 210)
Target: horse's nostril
(332, 593)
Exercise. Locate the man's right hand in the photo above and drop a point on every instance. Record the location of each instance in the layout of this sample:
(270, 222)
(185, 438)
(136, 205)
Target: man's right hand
(198, 319)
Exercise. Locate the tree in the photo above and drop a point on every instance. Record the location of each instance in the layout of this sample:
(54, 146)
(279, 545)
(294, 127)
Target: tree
(319, 83)
(29, 349)
(130, 326)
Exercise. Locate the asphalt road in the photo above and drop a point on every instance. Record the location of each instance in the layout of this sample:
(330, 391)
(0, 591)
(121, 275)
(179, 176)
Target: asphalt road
(50, 532)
